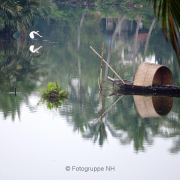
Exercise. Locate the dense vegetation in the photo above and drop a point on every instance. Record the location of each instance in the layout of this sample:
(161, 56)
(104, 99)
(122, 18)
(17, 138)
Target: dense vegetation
(19, 15)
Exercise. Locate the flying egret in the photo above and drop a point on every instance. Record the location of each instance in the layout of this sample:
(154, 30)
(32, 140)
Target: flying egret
(31, 48)
(31, 34)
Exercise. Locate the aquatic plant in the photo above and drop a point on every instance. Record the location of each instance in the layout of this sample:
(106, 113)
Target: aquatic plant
(53, 96)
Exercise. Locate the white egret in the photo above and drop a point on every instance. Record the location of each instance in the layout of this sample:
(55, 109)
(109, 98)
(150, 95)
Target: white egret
(31, 34)
(31, 48)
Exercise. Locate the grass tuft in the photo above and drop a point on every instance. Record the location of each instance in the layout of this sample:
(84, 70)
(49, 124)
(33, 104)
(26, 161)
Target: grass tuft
(53, 96)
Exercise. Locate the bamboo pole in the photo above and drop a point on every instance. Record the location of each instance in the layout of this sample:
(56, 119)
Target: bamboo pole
(101, 66)
(113, 73)
(108, 66)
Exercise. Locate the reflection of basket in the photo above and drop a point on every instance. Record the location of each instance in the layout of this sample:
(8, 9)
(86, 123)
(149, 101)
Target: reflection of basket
(155, 106)
(149, 74)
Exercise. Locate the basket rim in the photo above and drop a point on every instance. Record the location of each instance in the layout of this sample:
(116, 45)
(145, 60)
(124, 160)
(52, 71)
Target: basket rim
(148, 67)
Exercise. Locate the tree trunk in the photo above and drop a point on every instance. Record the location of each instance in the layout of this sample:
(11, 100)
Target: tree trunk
(148, 37)
(135, 45)
(111, 43)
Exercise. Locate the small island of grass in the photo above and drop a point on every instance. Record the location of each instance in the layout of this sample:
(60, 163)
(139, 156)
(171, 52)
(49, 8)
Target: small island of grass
(53, 96)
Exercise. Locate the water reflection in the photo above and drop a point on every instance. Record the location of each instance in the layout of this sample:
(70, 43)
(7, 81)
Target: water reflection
(130, 127)
(153, 106)
(21, 70)
(31, 48)
(138, 131)
(96, 132)
(73, 65)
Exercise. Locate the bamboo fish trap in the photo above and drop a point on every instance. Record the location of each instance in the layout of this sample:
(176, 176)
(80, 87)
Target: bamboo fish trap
(149, 74)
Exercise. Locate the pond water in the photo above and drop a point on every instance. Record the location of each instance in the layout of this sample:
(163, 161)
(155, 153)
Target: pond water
(69, 142)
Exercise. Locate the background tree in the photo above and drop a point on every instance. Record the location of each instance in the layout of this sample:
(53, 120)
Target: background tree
(168, 11)
(19, 15)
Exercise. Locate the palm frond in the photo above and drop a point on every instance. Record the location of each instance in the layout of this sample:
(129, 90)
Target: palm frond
(168, 11)
(20, 14)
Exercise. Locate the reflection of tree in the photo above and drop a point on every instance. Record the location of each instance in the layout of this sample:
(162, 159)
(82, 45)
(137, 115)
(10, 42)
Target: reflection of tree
(19, 69)
(171, 129)
(135, 44)
(80, 27)
(22, 69)
(10, 102)
(147, 40)
(81, 80)
(83, 111)
(111, 43)
(176, 146)
(132, 129)
(96, 132)
(83, 93)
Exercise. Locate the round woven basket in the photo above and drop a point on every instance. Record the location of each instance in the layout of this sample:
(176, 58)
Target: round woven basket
(149, 74)
(154, 106)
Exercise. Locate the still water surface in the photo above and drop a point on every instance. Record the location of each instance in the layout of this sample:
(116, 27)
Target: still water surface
(39, 143)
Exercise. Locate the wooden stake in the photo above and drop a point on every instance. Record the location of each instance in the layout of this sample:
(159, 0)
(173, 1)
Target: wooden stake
(108, 66)
(15, 91)
(113, 73)
(101, 66)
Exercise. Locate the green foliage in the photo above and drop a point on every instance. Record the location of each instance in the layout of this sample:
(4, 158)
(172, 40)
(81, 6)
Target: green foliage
(53, 96)
(19, 15)
(168, 10)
